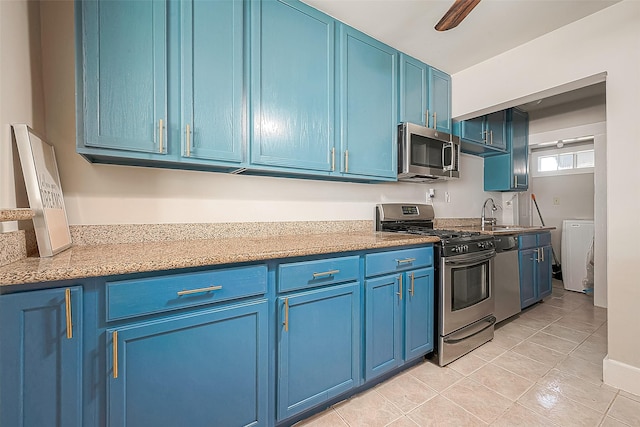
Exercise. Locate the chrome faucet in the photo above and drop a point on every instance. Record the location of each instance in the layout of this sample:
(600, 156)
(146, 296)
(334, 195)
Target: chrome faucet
(492, 220)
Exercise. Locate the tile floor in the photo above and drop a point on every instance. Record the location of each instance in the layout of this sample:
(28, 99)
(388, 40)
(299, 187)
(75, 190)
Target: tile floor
(543, 368)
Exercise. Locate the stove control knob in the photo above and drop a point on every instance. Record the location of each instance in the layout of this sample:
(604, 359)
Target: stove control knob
(482, 245)
(466, 248)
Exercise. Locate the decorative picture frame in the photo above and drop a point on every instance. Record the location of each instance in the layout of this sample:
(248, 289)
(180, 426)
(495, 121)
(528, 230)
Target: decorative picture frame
(42, 181)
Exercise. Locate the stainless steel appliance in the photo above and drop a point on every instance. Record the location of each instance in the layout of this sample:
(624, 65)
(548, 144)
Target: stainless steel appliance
(506, 277)
(424, 154)
(464, 263)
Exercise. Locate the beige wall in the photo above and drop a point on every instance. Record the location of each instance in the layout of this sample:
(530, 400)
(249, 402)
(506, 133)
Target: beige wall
(608, 41)
(20, 93)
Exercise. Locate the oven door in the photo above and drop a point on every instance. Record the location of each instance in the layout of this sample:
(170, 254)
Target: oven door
(466, 290)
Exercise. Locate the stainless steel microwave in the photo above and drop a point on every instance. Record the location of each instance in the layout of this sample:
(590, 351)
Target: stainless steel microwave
(424, 154)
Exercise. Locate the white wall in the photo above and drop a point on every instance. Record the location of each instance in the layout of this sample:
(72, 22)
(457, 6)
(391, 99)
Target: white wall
(20, 93)
(575, 195)
(608, 41)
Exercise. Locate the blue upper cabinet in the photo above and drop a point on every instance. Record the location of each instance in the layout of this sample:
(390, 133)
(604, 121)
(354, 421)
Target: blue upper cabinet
(124, 86)
(292, 86)
(510, 171)
(212, 80)
(368, 106)
(439, 100)
(414, 89)
(484, 135)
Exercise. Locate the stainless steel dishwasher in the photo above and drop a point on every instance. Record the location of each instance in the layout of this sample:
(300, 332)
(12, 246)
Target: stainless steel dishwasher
(506, 277)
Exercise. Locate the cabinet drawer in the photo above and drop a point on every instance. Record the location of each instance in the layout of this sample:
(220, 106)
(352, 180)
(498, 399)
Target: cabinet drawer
(307, 274)
(527, 241)
(400, 260)
(135, 297)
(544, 239)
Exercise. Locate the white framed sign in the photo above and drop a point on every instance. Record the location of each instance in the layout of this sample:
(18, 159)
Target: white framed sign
(41, 178)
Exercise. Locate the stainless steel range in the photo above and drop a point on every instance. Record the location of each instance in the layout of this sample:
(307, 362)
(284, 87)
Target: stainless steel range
(464, 264)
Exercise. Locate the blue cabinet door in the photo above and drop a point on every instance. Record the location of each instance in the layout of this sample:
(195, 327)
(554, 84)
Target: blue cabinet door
(199, 369)
(528, 260)
(473, 130)
(383, 326)
(124, 105)
(510, 171)
(414, 90)
(519, 149)
(318, 346)
(496, 128)
(419, 313)
(292, 84)
(41, 359)
(440, 100)
(544, 273)
(368, 106)
(212, 80)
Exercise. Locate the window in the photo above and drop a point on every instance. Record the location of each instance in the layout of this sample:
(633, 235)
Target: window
(566, 161)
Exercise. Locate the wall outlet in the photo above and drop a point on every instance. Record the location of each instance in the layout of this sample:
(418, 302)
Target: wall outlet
(556, 201)
(447, 197)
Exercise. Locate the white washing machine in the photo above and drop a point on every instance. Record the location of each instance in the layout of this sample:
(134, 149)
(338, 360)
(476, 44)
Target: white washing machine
(577, 238)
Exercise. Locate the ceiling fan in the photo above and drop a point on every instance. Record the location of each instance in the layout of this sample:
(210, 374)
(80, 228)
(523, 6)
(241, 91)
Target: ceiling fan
(456, 13)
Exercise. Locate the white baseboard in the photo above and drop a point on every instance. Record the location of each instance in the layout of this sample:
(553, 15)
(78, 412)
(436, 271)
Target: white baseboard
(620, 375)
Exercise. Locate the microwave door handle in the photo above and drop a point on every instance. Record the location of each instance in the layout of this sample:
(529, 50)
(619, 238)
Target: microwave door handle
(450, 166)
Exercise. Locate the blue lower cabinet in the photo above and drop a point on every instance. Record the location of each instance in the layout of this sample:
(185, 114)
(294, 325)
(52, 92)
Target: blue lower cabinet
(419, 314)
(534, 259)
(399, 320)
(318, 346)
(41, 358)
(383, 326)
(204, 368)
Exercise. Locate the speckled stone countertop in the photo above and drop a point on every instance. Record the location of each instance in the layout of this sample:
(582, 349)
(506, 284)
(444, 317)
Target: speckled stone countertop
(104, 260)
(18, 214)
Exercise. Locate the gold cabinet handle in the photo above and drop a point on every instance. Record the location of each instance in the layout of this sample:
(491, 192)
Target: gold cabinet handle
(114, 338)
(405, 261)
(325, 273)
(346, 160)
(399, 287)
(413, 280)
(286, 314)
(67, 306)
(199, 290)
(515, 181)
(426, 118)
(537, 254)
(333, 159)
(542, 253)
(435, 119)
(188, 141)
(161, 136)
(491, 138)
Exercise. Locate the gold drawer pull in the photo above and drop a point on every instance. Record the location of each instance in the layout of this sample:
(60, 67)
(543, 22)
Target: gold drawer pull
(67, 305)
(413, 280)
(405, 261)
(325, 273)
(400, 287)
(114, 337)
(197, 291)
(286, 314)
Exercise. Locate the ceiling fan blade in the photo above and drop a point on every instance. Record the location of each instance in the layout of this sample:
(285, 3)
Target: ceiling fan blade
(456, 13)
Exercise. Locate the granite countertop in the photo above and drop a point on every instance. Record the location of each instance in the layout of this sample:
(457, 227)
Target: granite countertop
(17, 214)
(105, 260)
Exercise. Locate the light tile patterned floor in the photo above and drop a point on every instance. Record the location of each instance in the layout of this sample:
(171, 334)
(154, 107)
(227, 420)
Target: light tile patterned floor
(543, 368)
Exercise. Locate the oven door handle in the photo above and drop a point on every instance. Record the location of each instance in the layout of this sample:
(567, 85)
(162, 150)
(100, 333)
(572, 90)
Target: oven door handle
(469, 260)
(490, 321)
